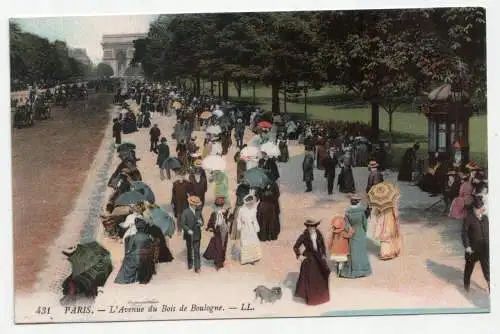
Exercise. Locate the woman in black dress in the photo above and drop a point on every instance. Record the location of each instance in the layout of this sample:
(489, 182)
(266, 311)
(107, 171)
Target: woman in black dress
(312, 285)
(218, 224)
(346, 179)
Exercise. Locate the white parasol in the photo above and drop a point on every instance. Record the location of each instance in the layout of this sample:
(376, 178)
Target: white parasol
(214, 162)
(218, 113)
(271, 149)
(214, 129)
(250, 152)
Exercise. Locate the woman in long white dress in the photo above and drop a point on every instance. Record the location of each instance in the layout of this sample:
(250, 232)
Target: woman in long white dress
(248, 227)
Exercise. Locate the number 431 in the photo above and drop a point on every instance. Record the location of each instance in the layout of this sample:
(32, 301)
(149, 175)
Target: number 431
(42, 310)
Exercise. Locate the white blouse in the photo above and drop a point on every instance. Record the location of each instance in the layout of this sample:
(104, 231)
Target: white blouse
(314, 238)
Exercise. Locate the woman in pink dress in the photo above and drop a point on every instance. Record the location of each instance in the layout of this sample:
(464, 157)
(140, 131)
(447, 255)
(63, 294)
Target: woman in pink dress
(458, 208)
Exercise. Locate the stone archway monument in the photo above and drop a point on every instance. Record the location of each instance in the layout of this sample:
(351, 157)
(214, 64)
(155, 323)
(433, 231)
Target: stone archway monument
(118, 51)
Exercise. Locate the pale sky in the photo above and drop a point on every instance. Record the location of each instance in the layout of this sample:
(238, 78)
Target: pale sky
(85, 31)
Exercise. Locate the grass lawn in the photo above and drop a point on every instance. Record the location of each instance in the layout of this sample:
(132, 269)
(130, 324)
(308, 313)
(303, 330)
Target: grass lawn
(331, 103)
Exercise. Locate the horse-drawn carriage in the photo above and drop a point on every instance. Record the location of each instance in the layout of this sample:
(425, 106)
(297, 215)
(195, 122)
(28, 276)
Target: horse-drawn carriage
(61, 98)
(23, 116)
(42, 109)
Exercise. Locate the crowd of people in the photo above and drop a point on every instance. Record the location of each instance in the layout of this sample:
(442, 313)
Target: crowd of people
(255, 217)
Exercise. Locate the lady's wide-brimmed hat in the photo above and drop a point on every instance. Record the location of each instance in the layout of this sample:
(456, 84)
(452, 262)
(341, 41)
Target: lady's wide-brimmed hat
(312, 223)
(198, 163)
(355, 197)
(373, 164)
(163, 139)
(472, 166)
(219, 201)
(337, 222)
(194, 200)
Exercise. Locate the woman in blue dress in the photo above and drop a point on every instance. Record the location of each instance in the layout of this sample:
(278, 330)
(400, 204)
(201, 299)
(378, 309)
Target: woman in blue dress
(358, 264)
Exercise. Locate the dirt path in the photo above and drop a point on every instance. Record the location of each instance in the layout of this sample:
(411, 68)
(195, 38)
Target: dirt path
(49, 164)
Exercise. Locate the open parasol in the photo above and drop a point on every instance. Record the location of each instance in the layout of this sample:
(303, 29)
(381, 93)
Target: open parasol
(270, 149)
(256, 178)
(206, 115)
(144, 189)
(163, 220)
(125, 147)
(90, 262)
(130, 197)
(250, 152)
(214, 162)
(171, 163)
(218, 113)
(382, 195)
(214, 129)
(264, 125)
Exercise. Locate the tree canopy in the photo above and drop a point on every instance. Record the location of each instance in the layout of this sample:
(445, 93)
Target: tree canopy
(383, 55)
(36, 59)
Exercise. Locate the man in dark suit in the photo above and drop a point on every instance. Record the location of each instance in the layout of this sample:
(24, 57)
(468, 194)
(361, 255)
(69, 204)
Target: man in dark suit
(308, 169)
(375, 176)
(154, 137)
(475, 238)
(117, 131)
(191, 223)
(330, 164)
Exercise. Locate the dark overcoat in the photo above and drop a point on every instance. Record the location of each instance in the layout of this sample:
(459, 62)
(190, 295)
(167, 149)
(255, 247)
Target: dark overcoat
(308, 168)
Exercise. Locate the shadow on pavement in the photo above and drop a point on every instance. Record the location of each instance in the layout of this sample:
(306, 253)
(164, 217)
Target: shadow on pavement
(476, 295)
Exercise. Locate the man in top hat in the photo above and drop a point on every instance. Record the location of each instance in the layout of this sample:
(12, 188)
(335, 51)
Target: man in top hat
(330, 164)
(154, 136)
(308, 169)
(117, 131)
(375, 176)
(239, 132)
(191, 223)
(475, 239)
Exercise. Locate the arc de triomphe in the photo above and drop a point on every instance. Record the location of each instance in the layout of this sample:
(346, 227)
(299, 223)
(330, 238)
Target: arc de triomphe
(118, 51)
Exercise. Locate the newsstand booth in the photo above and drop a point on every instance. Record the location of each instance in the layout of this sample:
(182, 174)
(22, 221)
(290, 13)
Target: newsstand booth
(448, 112)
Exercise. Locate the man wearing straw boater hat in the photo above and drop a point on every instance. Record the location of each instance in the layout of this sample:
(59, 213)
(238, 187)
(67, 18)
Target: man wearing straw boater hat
(191, 222)
(375, 176)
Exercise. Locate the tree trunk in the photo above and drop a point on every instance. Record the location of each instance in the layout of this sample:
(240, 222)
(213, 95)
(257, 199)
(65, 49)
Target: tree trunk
(198, 86)
(285, 97)
(275, 90)
(211, 87)
(237, 85)
(225, 89)
(375, 122)
(253, 96)
(390, 127)
(220, 92)
(305, 104)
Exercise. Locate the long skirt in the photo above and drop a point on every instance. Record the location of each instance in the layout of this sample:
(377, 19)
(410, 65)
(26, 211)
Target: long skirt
(312, 285)
(387, 232)
(250, 253)
(216, 249)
